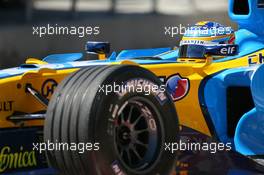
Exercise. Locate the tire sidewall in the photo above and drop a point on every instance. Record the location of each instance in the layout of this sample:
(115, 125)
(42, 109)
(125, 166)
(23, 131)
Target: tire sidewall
(107, 156)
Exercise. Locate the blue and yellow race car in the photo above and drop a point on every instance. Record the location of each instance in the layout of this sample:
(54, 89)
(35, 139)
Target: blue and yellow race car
(124, 113)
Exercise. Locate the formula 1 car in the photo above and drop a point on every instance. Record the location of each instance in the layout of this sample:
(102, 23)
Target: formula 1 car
(95, 124)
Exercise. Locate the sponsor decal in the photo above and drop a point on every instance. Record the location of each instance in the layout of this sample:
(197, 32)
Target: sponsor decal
(6, 106)
(177, 86)
(113, 109)
(256, 59)
(116, 168)
(197, 42)
(232, 39)
(229, 50)
(16, 150)
(150, 118)
(12, 160)
(48, 88)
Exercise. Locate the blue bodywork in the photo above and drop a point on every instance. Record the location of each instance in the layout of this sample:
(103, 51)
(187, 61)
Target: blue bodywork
(63, 58)
(249, 135)
(215, 97)
(251, 18)
(131, 54)
(248, 138)
(249, 131)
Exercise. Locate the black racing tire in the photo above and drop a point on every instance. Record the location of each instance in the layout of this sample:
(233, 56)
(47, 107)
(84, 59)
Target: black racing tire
(111, 133)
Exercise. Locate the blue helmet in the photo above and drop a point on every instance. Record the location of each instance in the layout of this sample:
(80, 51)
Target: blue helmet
(204, 33)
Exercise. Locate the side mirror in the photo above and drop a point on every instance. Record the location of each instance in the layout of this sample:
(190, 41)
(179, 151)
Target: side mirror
(222, 50)
(100, 48)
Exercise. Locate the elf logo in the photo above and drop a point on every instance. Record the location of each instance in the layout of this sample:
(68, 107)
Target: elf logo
(177, 86)
(228, 50)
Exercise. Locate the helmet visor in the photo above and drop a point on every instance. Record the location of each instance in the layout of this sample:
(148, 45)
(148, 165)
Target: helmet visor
(191, 51)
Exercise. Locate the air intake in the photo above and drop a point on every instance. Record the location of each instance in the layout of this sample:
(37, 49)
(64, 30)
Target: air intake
(241, 7)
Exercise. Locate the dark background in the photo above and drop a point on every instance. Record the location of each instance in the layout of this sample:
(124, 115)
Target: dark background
(127, 24)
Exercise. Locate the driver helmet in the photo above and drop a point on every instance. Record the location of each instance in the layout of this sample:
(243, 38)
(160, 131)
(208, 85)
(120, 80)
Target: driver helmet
(201, 34)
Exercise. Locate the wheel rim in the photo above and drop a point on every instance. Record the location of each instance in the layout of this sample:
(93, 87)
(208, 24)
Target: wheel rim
(137, 134)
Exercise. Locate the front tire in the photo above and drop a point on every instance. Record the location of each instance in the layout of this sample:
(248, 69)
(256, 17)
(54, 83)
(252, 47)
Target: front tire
(125, 130)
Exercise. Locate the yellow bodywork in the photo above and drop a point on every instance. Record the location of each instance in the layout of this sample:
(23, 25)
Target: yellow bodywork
(12, 90)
